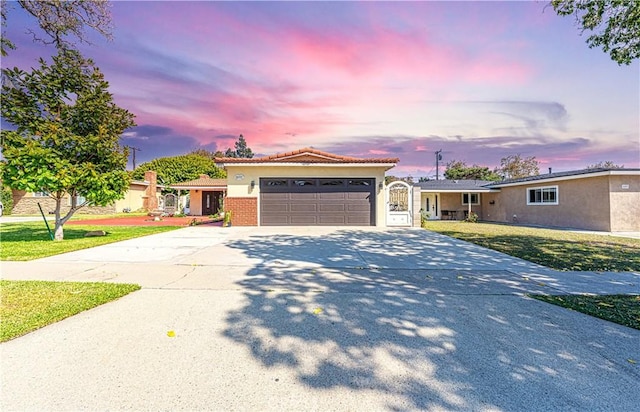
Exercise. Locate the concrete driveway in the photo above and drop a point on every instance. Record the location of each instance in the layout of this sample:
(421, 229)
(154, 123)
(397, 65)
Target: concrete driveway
(320, 319)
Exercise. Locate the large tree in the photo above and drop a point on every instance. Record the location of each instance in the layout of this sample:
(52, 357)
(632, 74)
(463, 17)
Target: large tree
(515, 167)
(66, 137)
(615, 25)
(178, 169)
(458, 170)
(608, 164)
(61, 22)
(241, 149)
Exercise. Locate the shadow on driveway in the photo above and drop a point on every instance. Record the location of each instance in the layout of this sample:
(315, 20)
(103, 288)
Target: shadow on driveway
(424, 322)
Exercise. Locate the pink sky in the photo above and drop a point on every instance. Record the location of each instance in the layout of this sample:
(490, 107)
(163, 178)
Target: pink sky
(479, 80)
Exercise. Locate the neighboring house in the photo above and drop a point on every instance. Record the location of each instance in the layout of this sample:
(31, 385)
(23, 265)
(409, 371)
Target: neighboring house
(205, 195)
(591, 199)
(140, 196)
(306, 187)
(453, 199)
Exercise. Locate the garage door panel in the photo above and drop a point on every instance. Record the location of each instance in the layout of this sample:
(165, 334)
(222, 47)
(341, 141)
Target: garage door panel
(304, 207)
(328, 207)
(303, 220)
(303, 196)
(317, 201)
(333, 196)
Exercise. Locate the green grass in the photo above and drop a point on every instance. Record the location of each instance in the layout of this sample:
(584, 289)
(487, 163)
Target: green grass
(30, 240)
(557, 249)
(29, 305)
(621, 309)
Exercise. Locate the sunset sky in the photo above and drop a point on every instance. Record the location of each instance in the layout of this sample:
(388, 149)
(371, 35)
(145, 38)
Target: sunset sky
(479, 80)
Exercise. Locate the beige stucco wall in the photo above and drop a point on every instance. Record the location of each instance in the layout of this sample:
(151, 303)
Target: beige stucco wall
(242, 187)
(624, 193)
(582, 203)
(132, 199)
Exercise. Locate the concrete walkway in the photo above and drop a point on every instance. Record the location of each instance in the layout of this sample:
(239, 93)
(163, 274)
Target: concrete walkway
(317, 319)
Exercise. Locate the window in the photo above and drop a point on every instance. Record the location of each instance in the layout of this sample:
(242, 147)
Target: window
(475, 198)
(40, 194)
(359, 182)
(275, 182)
(542, 195)
(79, 200)
(305, 182)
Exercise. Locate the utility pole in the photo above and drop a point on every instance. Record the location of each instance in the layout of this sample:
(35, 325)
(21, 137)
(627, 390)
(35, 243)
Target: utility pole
(438, 158)
(134, 150)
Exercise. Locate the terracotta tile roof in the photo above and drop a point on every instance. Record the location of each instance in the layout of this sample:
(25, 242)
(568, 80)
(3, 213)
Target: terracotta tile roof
(306, 155)
(202, 181)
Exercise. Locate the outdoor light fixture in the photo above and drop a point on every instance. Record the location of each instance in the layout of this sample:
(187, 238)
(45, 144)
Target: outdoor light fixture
(253, 184)
(380, 185)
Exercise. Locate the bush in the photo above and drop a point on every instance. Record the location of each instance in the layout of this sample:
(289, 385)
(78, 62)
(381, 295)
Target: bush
(472, 218)
(7, 200)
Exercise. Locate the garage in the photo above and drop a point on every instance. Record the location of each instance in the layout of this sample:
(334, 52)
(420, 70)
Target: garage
(317, 201)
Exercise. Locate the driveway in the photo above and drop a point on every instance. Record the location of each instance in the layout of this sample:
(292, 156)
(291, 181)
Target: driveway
(317, 319)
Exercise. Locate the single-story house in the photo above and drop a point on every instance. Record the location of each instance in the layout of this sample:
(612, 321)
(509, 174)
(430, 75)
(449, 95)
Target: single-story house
(590, 199)
(142, 195)
(308, 187)
(205, 195)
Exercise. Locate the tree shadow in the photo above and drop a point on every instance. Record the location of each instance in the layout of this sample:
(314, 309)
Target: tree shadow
(404, 318)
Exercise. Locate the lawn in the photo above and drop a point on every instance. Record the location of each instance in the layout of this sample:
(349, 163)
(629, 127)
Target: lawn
(30, 240)
(622, 309)
(29, 305)
(557, 249)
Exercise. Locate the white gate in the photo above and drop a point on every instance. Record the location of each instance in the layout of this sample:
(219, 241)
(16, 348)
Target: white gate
(399, 204)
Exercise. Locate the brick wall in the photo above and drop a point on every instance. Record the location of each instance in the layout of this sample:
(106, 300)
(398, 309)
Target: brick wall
(244, 210)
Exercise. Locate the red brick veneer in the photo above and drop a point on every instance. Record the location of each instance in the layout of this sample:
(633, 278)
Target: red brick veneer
(244, 210)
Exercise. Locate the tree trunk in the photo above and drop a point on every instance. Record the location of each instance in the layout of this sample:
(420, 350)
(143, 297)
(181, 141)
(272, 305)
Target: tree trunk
(59, 232)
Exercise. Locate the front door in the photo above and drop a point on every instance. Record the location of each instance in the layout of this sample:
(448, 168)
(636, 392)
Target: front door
(209, 206)
(430, 205)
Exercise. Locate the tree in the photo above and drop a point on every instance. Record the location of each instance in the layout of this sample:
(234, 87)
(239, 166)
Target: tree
(241, 149)
(605, 165)
(458, 170)
(178, 169)
(66, 141)
(61, 20)
(515, 167)
(615, 25)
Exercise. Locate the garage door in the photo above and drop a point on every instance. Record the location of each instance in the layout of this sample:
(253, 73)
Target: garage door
(317, 201)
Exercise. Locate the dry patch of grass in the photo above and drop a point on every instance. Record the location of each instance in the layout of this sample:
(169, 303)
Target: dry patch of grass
(557, 249)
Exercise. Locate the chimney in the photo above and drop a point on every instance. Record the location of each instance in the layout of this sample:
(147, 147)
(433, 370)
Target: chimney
(150, 198)
(549, 170)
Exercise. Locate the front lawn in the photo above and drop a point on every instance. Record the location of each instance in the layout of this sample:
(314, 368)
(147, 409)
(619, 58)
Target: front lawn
(621, 309)
(29, 305)
(30, 240)
(557, 249)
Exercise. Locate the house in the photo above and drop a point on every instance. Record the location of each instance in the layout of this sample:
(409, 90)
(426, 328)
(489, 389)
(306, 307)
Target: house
(142, 195)
(205, 195)
(306, 187)
(591, 199)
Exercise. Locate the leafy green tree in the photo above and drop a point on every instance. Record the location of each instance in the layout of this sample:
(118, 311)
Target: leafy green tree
(615, 25)
(458, 170)
(61, 20)
(66, 141)
(515, 167)
(241, 149)
(178, 169)
(605, 165)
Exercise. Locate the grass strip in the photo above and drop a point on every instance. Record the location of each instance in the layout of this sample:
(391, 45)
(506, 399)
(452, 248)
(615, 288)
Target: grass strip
(621, 309)
(556, 249)
(30, 240)
(29, 305)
